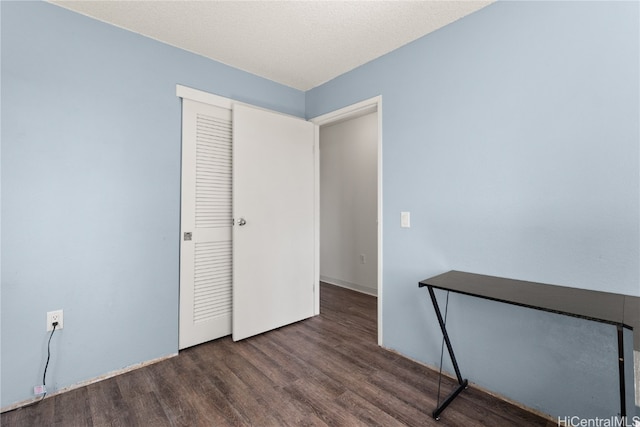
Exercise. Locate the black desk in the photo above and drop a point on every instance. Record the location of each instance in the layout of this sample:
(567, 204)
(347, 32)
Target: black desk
(623, 311)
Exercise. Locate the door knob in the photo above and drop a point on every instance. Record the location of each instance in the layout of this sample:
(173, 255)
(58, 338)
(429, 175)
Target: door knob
(241, 222)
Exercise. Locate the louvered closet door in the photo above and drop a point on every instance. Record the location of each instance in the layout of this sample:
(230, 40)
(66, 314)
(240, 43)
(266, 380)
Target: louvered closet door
(205, 253)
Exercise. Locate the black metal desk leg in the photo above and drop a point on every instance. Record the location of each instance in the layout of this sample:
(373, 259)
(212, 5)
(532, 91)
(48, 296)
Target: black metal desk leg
(623, 400)
(462, 383)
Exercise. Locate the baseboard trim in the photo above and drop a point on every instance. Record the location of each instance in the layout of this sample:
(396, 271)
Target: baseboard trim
(348, 285)
(88, 382)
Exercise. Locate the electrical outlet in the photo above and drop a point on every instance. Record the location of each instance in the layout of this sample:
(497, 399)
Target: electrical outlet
(363, 259)
(54, 316)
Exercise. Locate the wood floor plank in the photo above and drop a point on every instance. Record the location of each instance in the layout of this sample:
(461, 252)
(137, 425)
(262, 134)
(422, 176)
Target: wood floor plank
(197, 380)
(241, 397)
(107, 405)
(171, 390)
(301, 368)
(421, 396)
(38, 414)
(315, 398)
(323, 371)
(72, 408)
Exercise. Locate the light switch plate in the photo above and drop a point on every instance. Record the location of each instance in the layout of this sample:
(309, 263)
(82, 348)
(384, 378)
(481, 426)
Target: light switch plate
(405, 219)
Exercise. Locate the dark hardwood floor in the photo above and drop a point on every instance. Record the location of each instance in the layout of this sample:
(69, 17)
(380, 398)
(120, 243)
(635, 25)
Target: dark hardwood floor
(324, 371)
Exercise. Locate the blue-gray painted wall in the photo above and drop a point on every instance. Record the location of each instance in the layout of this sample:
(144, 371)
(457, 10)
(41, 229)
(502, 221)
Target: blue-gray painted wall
(511, 136)
(91, 190)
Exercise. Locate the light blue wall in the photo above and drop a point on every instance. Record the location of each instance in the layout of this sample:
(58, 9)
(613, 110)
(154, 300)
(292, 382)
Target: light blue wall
(512, 137)
(91, 191)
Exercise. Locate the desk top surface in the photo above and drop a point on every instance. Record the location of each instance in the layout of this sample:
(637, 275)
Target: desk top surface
(593, 305)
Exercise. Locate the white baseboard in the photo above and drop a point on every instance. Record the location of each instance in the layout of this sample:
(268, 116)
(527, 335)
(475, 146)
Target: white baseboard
(348, 285)
(88, 382)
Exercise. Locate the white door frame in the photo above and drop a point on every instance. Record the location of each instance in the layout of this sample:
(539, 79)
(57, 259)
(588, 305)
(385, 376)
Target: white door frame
(347, 113)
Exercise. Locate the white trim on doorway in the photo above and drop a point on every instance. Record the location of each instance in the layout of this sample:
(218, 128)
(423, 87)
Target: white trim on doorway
(186, 92)
(347, 113)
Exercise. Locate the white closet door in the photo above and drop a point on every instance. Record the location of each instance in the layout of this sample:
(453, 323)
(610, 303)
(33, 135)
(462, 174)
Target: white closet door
(206, 213)
(273, 197)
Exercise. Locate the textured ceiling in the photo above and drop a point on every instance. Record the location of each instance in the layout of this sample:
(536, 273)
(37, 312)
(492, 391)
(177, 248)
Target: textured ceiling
(301, 44)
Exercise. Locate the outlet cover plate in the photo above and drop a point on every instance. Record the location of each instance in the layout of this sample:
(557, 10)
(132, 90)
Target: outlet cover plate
(54, 316)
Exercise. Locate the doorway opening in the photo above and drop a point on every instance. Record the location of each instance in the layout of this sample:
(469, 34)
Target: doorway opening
(350, 193)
